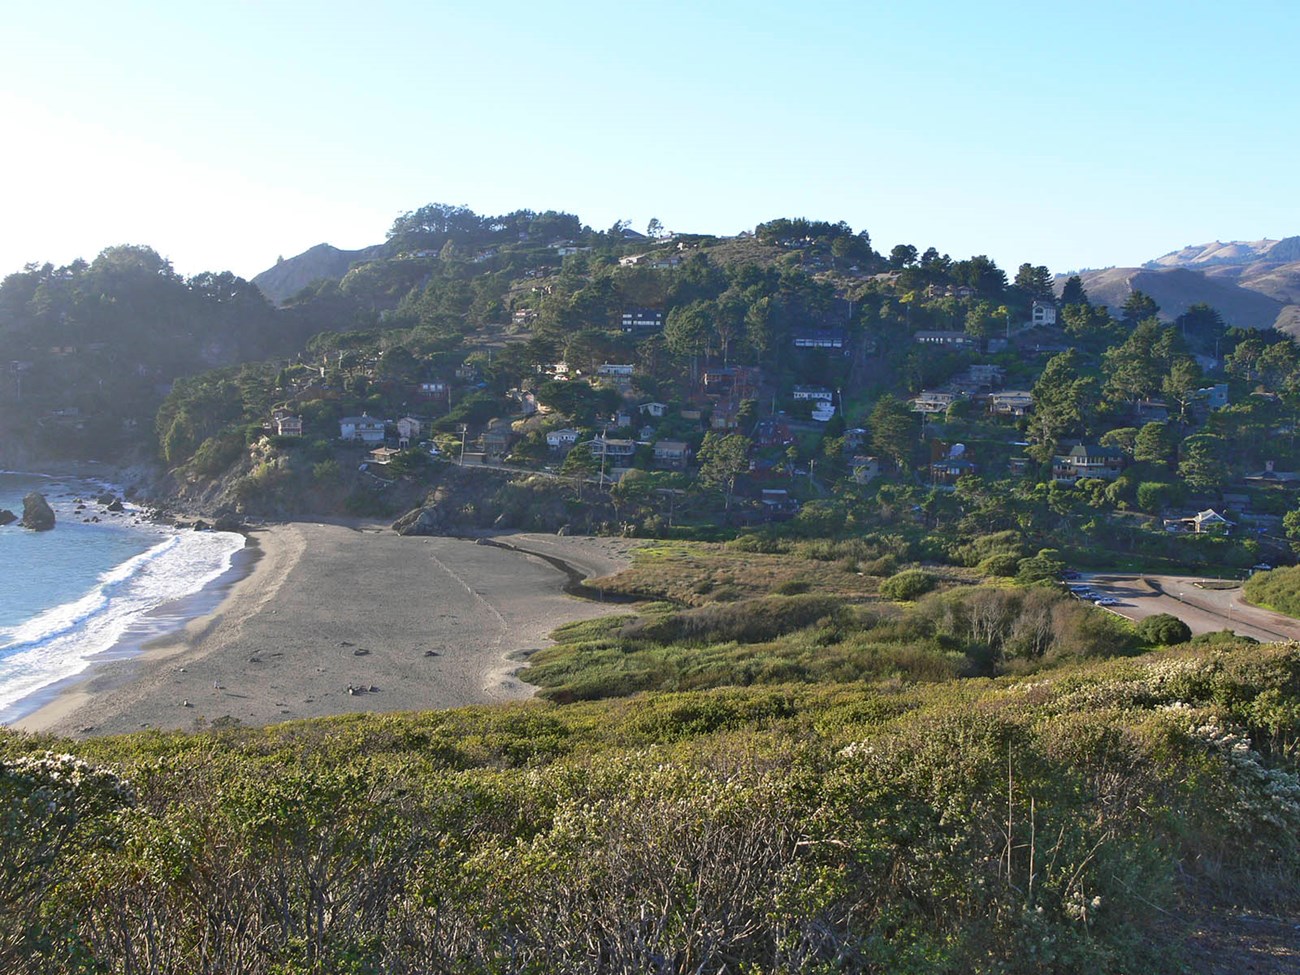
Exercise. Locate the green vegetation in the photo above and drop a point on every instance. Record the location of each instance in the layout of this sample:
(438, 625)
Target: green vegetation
(854, 723)
(1060, 823)
(1278, 590)
(1163, 630)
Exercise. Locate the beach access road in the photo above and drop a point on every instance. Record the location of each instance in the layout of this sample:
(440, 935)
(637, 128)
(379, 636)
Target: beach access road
(1194, 601)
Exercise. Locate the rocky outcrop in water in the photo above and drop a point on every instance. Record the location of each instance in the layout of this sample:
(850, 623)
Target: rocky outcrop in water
(7, 517)
(37, 513)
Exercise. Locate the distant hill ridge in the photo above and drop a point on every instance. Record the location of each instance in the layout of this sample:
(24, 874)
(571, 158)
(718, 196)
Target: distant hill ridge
(1252, 284)
(1282, 251)
(322, 262)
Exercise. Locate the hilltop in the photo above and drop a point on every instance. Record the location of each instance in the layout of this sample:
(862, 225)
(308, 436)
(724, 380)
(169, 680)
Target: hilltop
(1253, 284)
(323, 262)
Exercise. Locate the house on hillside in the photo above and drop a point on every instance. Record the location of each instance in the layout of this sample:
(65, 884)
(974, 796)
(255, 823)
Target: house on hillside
(364, 428)
(1207, 522)
(612, 451)
(286, 424)
(1087, 460)
(656, 410)
(431, 389)
(946, 471)
(671, 454)
(408, 429)
(933, 401)
(1042, 312)
(561, 441)
(773, 431)
(944, 339)
(802, 393)
(1011, 402)
(642, 321)
(383, 455)
(818, 338)
(497, 438)
(866, 468)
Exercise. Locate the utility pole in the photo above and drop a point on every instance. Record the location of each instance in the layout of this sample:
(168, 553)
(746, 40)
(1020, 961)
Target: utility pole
(463, 428)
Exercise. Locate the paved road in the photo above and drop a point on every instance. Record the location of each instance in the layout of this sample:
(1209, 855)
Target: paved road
(1203, 610)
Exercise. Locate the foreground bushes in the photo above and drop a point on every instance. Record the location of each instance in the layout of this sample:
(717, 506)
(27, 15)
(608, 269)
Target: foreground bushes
(1050, 824)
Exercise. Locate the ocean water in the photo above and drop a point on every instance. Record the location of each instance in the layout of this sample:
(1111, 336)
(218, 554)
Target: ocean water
(87, 591)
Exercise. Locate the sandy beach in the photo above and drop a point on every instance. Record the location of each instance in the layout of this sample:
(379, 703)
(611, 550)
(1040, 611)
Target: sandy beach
(336, 619)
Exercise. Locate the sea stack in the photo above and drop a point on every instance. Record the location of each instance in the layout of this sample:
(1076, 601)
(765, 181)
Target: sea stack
(37, 513)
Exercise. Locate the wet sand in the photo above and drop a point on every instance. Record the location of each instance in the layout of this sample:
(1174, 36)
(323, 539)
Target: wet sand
(329, 612)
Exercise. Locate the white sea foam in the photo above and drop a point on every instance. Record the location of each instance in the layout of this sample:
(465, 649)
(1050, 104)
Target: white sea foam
(62, 641)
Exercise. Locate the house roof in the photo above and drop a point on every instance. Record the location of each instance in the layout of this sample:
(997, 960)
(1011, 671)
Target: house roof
(1095, 452)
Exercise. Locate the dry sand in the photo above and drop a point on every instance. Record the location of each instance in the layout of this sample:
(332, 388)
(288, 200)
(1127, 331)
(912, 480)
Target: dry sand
(327, 607)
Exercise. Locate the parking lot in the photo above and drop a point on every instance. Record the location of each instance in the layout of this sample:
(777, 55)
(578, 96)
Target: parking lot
(1203, 610)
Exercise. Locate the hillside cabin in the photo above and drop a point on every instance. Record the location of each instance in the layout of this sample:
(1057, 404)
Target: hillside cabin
(1042, 313)
(1011, 402)
(819, 338)
(945, 339)
(642, 321)
(561, 441)
(287, 425)
(1087, 460)
(612, 450)
(671, 454)
(364, 428)
(408, 429)
(933, 401)
(802, 393)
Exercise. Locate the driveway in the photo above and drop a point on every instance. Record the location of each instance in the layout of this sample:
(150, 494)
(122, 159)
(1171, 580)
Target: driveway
(1203, 610)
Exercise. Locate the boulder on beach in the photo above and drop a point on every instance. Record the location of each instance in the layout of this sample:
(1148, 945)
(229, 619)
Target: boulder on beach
(37, 513)
(115, 505)
(7, 517)
(421, 521)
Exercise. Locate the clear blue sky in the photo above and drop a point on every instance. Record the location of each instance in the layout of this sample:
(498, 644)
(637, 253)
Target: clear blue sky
(225, 134)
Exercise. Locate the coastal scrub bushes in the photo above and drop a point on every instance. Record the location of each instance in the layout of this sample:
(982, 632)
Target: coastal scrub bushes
(748, 621)
(1277, 590)
(1063, 822)
(908, 585)
(1163, 630)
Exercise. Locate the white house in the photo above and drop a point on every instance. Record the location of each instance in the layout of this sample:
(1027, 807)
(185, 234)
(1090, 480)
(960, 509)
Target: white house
(615, 370)
(364, 428)
(408, 429)
(1043, 313)
(653, 409)
(812, 392)
(562, 440)
(933, 401)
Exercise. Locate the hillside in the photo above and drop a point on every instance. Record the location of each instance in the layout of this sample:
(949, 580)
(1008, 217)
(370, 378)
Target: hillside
(323, 261)
(1175, 289)
(1218, 252)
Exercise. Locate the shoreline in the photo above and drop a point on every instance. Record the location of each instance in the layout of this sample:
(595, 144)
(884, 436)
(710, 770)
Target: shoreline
(332, 618)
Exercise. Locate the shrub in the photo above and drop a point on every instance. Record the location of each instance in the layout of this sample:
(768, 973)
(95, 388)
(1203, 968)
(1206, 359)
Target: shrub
(1044, 566)
(1164, 630)
(908, 585)
(1278, 590)
(745, 621)
(1004, 564)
